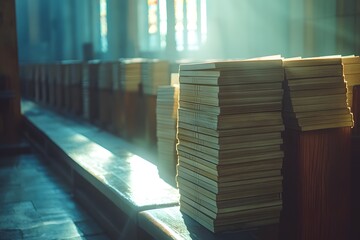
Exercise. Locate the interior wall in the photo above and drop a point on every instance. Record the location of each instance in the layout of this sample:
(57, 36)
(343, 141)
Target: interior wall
(51, 30)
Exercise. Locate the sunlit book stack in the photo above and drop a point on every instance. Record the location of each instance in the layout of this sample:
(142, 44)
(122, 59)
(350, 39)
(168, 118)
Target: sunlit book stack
(352, 75)
(155, 73)
(166, 120)
(229, 133)
(315, 94)
(131, 74)
(117, 104)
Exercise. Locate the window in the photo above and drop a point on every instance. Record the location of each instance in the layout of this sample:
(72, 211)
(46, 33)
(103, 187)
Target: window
(103, 26)
(157, 24)
(188, 17)
(190, 24)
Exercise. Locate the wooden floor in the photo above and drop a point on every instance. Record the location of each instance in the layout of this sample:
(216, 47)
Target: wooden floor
(36, 204)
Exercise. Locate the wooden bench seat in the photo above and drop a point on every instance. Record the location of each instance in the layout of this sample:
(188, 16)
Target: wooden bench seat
(98, 162)
(171, 223)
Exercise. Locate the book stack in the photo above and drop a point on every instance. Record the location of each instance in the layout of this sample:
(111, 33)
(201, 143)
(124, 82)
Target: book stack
(29, 80)
(118, 120)
(154, 73)
(93, 73)
(52, 87)
(352, 75)
(37, 82)
(105, 93)
(229, 133)
(315, 94)
(75, 87)
(67, 82)
(131, 74)
(130, 70)
(166, 120)
(59, 85)
(44, 83)
(85, 86)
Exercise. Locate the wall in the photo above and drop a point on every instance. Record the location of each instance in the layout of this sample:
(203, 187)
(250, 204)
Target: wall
(51, 30)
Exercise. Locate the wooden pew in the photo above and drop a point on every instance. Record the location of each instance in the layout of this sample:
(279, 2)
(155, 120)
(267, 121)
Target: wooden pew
(106, 175)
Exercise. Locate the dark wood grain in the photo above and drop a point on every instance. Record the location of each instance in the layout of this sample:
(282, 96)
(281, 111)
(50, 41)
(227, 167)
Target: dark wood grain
(9, 76)
(316, 193)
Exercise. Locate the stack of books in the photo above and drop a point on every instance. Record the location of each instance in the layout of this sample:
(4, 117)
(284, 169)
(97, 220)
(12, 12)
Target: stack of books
(76, 87)
(131, 74)
(154, 73)
(85, 85)
(44, 83)
(117, 104)
(37, 91)
(352, 75)
(59, 85)
(51, 84)
(29, 80)
(105, 93)
(315, 94)
(166, 120)
(229, 150)
(66, 81)
(93, 74)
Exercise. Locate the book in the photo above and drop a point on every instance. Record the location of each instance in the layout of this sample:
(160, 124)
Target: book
(231, 168)
(233, 131)
(166, 121)
(233, 109)
(225, 205)
(244, 138)
(241, 87)
(230, 121)
(315, 61)
(229, 212)
(313, 71)
(239, 222)
(231, 95)
(240, 176)
(215, 155)
(218, 101)
(232, 78)
(234, 145)
(237, 64)
(259, 189)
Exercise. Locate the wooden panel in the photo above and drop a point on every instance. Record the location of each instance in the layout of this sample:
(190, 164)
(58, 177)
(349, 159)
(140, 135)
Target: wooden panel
(9, 76)
(316, 196)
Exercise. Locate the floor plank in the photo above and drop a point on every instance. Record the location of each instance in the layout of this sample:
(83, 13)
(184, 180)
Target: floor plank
(36, 204)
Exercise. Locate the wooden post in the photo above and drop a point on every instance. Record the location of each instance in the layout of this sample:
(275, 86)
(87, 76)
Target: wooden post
(9, 75)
